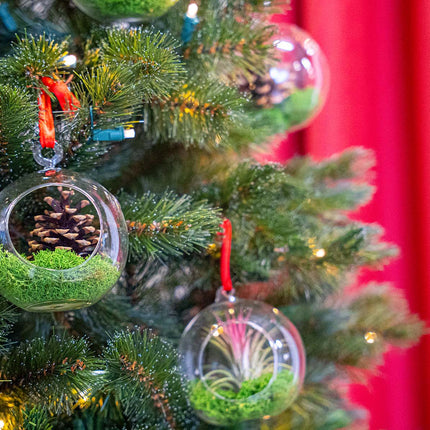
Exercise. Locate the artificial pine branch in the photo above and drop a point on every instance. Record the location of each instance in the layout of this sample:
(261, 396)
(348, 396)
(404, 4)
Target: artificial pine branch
(158, 65)
(51, 373)
(385, 311)
(8, 316)
(342, 181)
(110, 90)
(278, 230)
(35, 418)
(200, 113)
(318, 407)
(227, 48)
(142, 374)
(378, 311)
(17, 110)
(32, 58)
(168, 225)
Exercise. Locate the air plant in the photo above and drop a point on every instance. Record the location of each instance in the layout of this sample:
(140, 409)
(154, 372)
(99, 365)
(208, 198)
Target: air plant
(248, 352)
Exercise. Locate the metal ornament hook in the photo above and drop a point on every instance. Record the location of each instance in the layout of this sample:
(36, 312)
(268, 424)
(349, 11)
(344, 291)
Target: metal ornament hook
(47, 163)
(222, 295)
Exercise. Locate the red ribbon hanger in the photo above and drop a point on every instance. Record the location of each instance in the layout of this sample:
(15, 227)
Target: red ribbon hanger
(68, 102)
(225, 255)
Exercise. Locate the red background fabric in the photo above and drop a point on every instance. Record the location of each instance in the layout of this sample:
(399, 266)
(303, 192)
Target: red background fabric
(379, 98)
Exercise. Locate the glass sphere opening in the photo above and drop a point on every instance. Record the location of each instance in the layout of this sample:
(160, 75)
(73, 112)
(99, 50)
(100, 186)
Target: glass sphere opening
(236, 352)
(51, 218)
(243, 359)
(63, 241)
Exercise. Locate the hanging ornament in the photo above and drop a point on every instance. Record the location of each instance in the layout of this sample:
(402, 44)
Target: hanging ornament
(125, 10)
(294, 89)
(63, 237)
(244, 359)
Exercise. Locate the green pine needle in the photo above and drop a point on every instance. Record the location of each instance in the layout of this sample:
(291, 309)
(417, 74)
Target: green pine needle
(158, 67)
(110, 90)
(17, 112)
(224, 47)
(36, 418)
(168, 225)
(201, 113)
(143, 376)
(33, 57)
(52, 373)
(8, 315)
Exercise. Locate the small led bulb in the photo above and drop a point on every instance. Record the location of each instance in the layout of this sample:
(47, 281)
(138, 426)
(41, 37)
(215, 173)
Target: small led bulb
(192, 10)
(129, 133)
(69, 60)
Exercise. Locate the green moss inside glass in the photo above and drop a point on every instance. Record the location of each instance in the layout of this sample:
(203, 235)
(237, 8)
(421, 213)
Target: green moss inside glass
(144, 9)
(55, 280)
(238, 406)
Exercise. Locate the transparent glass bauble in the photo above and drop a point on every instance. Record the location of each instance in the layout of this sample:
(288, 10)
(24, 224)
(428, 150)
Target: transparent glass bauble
(295, 87)
(244, 360)
(124, 10)
(63, 241)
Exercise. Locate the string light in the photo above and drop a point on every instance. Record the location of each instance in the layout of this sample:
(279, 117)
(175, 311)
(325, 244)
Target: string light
(370, 337)
(319, 253)
(69, 60)
(190, 22)
(192, 10)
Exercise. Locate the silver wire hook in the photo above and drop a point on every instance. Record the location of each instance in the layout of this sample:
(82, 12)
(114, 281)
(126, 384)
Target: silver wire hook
(47, 163)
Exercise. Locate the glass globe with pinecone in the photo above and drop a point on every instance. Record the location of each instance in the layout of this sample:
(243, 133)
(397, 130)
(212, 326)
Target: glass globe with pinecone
(64, 226)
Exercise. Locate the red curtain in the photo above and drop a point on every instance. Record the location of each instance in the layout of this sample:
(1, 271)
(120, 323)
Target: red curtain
(380, 98)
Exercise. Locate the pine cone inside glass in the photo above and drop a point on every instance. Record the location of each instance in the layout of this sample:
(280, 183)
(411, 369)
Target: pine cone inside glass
(64, 227)
(264, 90)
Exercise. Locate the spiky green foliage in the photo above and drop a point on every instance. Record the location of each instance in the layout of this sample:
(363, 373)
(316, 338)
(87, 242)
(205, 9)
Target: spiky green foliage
(36, 418)
(168, 225)
(282, 215)
(17, 110)
(142, 374)
(52, 373)
(110, 91)
(158, 64)
(225, 47)
(32, 58)
(7, 316)
(199, 113)
(383, 310)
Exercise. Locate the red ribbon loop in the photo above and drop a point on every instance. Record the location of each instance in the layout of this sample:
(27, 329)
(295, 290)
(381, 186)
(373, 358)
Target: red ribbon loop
(225, 256)
(68, 102)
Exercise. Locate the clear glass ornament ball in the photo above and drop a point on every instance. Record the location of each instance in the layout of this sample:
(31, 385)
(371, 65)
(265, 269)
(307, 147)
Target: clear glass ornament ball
(132, 11)
(63, 241)
(244, 360)
(297, 84)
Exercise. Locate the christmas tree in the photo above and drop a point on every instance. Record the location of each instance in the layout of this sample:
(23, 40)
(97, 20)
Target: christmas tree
(166, 107)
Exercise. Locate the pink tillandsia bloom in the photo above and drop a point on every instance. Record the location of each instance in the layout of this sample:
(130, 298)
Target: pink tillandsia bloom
(235, 341)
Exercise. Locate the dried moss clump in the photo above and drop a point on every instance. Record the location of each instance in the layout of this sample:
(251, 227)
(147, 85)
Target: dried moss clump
(59, 288)
(127, 8)
(239, 406)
